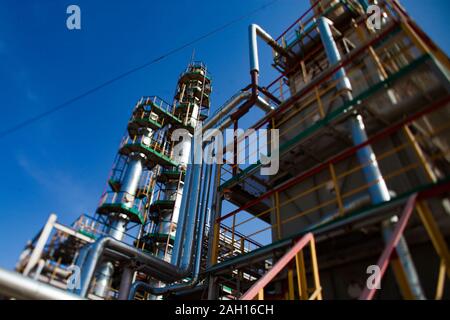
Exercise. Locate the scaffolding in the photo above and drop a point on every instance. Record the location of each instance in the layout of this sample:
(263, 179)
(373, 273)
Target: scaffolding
(363, 119)
(400, 94)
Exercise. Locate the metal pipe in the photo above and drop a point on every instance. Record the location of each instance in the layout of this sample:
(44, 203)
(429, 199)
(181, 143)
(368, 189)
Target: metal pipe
(140, 285)
(332, 53)
(191, 218)
(103, 279)
(15, 285)
(184, 240)
(405, 258)
(234, 101)
(188, 205)
(377, 186)
(181, 225)
(156, 267)
(364, 4)
(125, 283)
(40, 244)
(255, 31)
(263, 104)
(215, 212)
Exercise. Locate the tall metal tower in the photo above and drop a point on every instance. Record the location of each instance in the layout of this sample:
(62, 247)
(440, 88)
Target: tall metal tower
(146, 183)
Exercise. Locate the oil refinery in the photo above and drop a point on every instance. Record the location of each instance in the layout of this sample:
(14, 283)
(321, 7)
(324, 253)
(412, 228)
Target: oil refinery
(357, 129)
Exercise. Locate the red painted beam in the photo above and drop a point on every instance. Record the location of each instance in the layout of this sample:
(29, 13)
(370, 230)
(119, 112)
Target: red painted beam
(298, 20)
(383, 262)
(345, 154)
(279, 266)
(348, 59)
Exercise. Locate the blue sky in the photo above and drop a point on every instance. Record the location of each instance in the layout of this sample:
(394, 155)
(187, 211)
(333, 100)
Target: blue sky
(60, 164)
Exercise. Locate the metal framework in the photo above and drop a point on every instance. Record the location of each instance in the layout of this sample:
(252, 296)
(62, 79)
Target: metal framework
(363, 120)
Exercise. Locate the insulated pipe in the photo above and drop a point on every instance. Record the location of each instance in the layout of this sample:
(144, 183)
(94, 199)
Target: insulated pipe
(405, 259)
(103, 279)
(332, 52)
(263, 105)
(63, 273)
(132, 175)
(140, 285)
(193, 200)
(125, 283)
(160, 269)
(40, 244)
(190, 186)
(226, 108)
(15, 285)
(187, 220)
(40, 267)
(348, 207)
(254, 31)
(157, 267)
(176, 251)
(378, 191)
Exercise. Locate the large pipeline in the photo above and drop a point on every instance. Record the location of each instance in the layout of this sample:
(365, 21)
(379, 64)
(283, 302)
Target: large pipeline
(15, 285)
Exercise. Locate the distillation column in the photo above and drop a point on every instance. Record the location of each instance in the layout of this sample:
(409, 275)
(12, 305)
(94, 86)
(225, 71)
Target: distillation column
(191, 106)
(125, 192)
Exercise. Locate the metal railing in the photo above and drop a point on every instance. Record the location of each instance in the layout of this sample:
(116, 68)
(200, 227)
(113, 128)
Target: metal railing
(284, 264)
(332, 174)
(435, 235)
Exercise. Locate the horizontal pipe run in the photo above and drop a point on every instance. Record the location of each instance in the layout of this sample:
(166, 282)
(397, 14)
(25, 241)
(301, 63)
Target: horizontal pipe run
(156, 267)
(263, 105)
(15, 285)
(225, 109)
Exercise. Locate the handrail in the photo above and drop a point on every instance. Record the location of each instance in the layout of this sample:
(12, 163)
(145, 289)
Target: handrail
(383, 261)
(257, 288)
(415, 201)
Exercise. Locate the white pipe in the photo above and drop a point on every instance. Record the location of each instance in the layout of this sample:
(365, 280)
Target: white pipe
(226, 108)
(40, 244)
(15, 285)
(254, 31)
(264, 105)
(140, 285)
(40, 267)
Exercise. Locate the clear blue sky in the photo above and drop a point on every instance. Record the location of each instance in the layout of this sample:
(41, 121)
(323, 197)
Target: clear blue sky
(60, 164)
